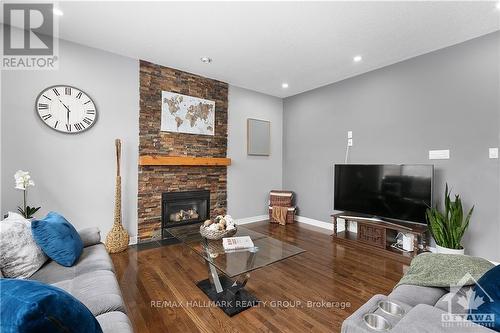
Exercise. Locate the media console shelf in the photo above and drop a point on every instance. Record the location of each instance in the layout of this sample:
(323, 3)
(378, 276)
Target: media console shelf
(378, 235)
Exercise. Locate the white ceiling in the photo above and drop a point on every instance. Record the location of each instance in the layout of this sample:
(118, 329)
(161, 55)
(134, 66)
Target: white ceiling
(259, 45)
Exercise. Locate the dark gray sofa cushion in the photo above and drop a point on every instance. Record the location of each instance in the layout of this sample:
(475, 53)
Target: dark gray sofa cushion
(114, 322)
(414, 295)
(93, 258)
(98, 291)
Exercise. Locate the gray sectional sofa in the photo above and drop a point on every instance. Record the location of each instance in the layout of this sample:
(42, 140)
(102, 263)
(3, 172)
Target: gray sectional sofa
(424, 309)
(91, 280)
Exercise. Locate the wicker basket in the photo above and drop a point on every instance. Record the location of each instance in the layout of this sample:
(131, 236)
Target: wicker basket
(218, 234)
(290, 216)
(281, 198)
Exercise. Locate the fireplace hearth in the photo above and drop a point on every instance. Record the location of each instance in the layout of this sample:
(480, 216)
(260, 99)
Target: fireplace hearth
(182, 208)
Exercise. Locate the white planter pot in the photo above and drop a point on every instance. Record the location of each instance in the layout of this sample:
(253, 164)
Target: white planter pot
(446, 250)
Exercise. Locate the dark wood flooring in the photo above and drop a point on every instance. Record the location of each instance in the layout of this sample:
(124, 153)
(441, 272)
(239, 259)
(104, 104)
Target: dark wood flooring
(327, 272)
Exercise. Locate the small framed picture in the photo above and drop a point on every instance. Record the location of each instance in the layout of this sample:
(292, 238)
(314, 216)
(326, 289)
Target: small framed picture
(258, 137)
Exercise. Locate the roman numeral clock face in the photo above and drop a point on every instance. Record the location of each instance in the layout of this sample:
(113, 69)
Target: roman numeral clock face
(66, 109)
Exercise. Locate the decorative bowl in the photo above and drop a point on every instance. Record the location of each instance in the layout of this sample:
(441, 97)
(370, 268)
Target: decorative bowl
(216, 234)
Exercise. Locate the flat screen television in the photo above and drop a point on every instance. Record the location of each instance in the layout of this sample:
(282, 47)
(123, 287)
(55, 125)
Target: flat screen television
(398, 192)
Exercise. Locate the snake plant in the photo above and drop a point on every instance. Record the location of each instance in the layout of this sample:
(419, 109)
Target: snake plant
(449, 227)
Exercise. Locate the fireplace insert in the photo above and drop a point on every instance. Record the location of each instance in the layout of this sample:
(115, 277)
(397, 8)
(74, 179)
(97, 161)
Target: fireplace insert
(181, 208)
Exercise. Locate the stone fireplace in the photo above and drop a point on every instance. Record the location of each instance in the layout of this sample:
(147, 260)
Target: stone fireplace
(182, 208)
(158, 182)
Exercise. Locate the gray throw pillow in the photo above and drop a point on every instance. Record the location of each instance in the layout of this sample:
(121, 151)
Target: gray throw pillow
(20, 256)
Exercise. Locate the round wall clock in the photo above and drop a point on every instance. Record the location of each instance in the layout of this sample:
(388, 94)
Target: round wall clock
(66, 109)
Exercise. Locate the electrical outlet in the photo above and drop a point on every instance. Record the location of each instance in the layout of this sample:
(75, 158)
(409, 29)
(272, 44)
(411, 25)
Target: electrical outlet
(439, 154)
(493, 152)
(132, 240)
(349, 142)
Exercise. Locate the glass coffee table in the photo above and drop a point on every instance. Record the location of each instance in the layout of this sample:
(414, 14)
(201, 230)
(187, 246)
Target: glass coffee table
(227, 290)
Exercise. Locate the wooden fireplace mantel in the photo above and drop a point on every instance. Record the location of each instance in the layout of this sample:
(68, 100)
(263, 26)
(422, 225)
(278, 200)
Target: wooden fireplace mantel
(183, 160)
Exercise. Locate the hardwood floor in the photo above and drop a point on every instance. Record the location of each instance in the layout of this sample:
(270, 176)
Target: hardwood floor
(327, 272)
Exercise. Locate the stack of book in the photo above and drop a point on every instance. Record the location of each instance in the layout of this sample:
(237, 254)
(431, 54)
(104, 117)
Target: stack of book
(237, 243)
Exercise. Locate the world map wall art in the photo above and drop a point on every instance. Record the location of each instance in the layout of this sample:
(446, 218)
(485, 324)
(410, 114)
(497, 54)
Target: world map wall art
(187, 114)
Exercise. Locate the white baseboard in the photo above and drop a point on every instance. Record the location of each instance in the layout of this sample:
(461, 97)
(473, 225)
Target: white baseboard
(316, 223)
(251, 219)
(325, 225)
(300, 219)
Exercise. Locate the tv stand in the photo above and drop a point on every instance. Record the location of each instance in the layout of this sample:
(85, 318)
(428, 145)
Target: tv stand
(377, 235)
(374, 219)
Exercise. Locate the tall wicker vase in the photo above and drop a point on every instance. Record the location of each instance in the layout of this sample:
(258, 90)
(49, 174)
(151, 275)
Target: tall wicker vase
(117, 240)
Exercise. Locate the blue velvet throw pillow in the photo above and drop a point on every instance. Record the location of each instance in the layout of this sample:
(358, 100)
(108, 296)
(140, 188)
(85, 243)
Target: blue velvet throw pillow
(488, 289)
(58, 239)
(32, 307)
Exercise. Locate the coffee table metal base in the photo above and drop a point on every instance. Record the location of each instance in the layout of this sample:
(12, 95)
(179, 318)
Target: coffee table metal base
(233, 299)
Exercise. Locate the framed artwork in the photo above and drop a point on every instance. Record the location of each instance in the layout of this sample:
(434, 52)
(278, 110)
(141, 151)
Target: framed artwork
(187, 114)
(258, 137)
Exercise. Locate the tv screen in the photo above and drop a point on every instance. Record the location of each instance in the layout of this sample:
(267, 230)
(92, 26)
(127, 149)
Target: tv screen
(401, 192)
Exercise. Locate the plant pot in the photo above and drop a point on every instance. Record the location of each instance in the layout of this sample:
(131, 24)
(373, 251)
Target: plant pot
(446, 250)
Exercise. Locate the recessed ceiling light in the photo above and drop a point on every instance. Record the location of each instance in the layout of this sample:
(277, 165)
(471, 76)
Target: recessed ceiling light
(498, 5)
(57, 12)
(357, 58)
(206, 60)
(284, 85)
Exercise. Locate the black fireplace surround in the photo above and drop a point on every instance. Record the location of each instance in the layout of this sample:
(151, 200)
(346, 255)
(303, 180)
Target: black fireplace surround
(182, 208)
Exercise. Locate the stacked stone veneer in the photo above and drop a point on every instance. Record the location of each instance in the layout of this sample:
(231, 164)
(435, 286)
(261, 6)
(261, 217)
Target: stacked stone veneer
(154, 180)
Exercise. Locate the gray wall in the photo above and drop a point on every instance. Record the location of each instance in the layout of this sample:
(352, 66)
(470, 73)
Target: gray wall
(250, 178)
(74, 174)
(448, 99)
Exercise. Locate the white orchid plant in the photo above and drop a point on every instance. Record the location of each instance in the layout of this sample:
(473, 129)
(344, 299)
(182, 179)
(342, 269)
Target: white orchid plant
(23, 181)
